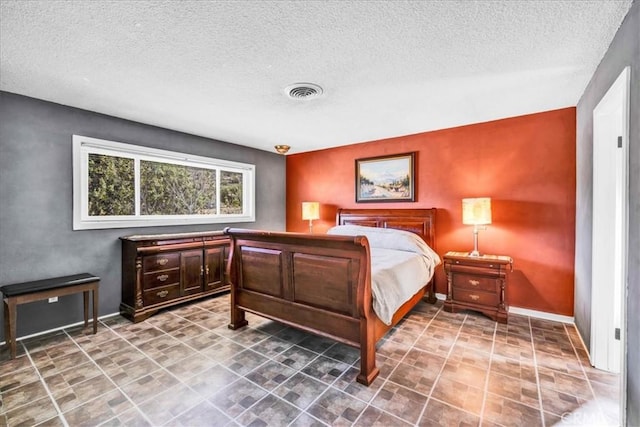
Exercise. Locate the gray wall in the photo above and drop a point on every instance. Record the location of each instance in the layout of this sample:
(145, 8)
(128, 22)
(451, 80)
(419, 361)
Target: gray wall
(36, 236)
(624, 50)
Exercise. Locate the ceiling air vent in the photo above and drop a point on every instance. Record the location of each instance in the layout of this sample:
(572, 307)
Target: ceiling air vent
(303, 91)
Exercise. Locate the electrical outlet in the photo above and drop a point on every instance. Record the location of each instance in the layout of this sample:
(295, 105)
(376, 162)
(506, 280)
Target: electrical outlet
(53, 299)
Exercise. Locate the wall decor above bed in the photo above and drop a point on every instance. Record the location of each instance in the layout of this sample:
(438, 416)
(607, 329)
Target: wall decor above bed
(386, 178)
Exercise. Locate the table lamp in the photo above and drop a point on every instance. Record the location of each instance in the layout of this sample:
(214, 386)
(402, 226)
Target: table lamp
(310, 211)
(476, 212)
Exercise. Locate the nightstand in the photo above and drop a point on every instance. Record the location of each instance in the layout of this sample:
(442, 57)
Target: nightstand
(478, 283)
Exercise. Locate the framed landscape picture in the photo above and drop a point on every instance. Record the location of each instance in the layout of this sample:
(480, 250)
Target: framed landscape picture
(386, 178)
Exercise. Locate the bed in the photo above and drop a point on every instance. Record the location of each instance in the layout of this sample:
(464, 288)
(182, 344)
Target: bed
(322, 283)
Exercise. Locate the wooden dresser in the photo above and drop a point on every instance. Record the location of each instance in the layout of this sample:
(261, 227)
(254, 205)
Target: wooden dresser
(162, 270)
(478, 283)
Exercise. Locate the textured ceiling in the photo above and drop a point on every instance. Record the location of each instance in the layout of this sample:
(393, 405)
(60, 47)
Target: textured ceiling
(388, 68)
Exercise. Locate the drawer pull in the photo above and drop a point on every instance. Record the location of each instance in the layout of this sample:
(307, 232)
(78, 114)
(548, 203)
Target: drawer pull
(474, 297)
(163, 294)
(163, 261)
(474, 282)
(163, 277)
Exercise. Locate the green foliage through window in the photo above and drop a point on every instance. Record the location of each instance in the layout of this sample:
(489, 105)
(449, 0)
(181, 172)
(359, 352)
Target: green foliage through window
(168, 189)
(111, 186)
(117, 185)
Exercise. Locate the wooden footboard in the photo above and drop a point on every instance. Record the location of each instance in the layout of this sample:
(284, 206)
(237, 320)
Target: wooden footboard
(318, 283)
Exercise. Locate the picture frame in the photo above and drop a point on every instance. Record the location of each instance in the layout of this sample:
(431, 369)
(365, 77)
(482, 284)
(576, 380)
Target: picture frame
(386, 178)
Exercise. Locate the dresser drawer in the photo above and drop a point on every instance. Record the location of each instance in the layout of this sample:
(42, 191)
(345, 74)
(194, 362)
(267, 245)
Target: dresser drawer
(480, 298)
(474, 282)
(160, 262)
(161, 278)
(158, 295)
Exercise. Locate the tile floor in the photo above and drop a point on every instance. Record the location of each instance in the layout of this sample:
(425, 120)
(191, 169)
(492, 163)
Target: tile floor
(184, 367)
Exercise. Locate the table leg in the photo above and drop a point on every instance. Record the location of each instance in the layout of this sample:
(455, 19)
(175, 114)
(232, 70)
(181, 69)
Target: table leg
(95, 309)
(85, 297)
(10, 319)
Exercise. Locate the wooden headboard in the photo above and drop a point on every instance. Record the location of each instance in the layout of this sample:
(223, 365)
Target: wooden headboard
(419, 221)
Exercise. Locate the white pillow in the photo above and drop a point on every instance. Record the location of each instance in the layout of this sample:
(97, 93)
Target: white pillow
(387, 238)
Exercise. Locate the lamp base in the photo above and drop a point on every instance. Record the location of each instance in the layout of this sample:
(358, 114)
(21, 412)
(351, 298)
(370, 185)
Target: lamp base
(474, 253)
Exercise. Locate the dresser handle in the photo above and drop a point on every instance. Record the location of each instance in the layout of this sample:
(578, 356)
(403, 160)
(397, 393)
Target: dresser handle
(163, 277)
(474, 282)
(474, 297)
(163, 261)
(163, 294)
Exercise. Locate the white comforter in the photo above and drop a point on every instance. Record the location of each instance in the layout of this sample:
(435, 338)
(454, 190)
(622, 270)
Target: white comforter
(401, 264)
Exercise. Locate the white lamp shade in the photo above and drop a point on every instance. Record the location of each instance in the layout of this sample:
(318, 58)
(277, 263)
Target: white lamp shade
(476, 211)
(310, 210)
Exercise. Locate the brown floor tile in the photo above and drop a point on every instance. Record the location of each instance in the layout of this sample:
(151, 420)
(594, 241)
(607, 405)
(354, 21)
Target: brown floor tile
(507, 412)
(373, 416)
(11, 380)
(306, 420)
(296, 357)
(58, 381)
(98, 410)
(244, 362)
(165, 406)
(337, 408)
(80, 393)
(271, 347)
(469, 356)
(392, 349)
(237, 397)
(475, 342)
(222, 349)
(400, 402)
(190, 366)
(559, 403)
(212, 380)
(23, 395)
(519, 369)
(269, 411)
(414, 378)
(124, 374)
(31, 413)
(203, 341)
(459, 393)
(172, 367)
(270, 375)
(347, 383)
(325, 369)
(9, 366)
(300, 390)
(564, 383)
(247, 336)
(515, 389)
(440, 414)
(203, 414)
(149, 386)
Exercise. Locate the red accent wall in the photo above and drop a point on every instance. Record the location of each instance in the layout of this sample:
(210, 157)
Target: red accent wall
(526, 164)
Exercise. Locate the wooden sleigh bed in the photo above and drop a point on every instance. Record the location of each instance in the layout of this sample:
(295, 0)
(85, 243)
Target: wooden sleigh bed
(321, 283)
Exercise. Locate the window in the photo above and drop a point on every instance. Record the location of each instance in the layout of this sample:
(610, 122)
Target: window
(119, 185)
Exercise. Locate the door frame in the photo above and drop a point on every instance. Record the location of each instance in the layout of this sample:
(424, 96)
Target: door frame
(603, 351)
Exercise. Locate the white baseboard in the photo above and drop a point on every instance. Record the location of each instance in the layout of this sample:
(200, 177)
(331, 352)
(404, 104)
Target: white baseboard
(542, 315)
(106, 316)
(531, 313)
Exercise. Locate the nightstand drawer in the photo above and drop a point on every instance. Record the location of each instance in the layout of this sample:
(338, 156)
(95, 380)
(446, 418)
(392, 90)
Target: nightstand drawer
(481, 298)
(475, 282)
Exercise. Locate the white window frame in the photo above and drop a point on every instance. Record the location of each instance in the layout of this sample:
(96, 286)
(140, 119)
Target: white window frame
(83, 146)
